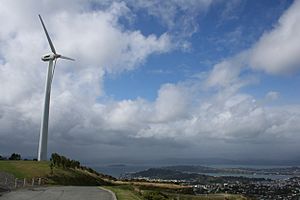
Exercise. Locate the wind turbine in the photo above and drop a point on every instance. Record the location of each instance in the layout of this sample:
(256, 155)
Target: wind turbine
(51, 58)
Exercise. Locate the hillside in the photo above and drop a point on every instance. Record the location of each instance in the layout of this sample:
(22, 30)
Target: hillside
(124, 190)
(237, 170)
(194, 169)
(143, 192)
(60, 176)
(25, 169)
(170, 174)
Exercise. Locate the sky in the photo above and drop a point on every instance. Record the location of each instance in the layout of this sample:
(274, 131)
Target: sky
(153, 80)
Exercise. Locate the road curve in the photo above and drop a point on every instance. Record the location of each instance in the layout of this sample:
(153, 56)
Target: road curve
(59, 193)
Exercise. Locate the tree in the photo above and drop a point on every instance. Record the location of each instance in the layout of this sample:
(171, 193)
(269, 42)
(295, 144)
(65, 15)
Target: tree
(51, 167)
(75, 164)
(15, 156)
(62, 161)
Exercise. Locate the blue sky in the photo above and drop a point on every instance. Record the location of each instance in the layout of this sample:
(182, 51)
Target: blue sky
(220, 35)
(154, 80)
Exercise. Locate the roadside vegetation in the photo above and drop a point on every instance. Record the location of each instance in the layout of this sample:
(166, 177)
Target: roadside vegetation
(144, 192)
(25, 169)
(61, 170)
(124, 192)
(58, 171)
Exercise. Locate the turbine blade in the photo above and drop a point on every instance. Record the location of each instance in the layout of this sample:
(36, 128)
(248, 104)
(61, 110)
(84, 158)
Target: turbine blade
(66, 58)
(48, 37)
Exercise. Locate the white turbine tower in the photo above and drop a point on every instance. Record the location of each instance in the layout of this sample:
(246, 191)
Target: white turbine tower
(51, 58)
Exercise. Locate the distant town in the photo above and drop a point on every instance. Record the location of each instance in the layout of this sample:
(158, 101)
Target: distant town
(284, 184)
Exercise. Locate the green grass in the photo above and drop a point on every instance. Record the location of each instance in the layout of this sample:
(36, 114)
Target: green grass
(74, 177)
(124, 192)
(25, 169)
(60, 176)
(128, 192)
(209, 197)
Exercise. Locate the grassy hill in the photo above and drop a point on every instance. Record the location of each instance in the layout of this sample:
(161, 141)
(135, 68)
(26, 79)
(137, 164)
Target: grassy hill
(134, 192)
(124, 190)
(60, 176)
(171, 173)
(25, 169)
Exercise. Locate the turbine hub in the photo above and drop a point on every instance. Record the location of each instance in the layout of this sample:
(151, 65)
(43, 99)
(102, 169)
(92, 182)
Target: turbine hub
(49, 57)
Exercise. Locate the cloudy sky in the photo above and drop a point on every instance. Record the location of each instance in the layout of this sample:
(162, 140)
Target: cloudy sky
(153, 80)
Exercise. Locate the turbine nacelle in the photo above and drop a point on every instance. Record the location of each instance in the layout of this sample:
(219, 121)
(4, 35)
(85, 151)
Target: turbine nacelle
(48, 57)
(52, 56)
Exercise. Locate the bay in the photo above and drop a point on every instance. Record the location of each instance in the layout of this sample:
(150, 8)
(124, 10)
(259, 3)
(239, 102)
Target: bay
(120, 169)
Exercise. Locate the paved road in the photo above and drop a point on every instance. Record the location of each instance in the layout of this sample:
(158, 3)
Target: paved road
(59, 193)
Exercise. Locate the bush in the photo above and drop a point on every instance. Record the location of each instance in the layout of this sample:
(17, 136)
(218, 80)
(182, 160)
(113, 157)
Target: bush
(15, 156)
(62, 161)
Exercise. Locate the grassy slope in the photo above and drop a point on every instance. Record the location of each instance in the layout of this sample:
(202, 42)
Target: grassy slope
(25, 169)
(30, 169)
(60, 176)
(129, 192)
(210, 197)
(124, 192)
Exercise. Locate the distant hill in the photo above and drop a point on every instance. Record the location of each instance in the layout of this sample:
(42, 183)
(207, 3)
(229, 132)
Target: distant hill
(238, 170)
(194, 169)
(167, 174)
(202, 169)
(60, 176)
(172, 174)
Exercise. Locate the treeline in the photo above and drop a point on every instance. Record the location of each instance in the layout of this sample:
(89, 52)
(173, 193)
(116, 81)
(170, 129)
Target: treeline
(66, 163)
(13, 156)
(61, 161)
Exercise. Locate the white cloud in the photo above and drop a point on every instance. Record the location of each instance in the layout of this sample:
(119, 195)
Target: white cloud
(171, 103)
(237, 117)
(95, 39)
(227, 74)
(167, 11)
(179, 17)
(105, 44)
(277, 51)
(224, 74)
(272, 95)
(186, 113)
